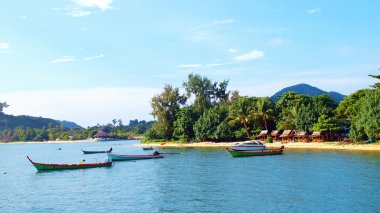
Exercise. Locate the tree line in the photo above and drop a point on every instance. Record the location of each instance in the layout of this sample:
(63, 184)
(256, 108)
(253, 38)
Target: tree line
(218, 114)
(56, 132)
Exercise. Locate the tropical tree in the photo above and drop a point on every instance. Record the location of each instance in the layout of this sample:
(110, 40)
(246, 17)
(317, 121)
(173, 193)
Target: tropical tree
(242, 111)
(206, 92)
(183, 126)
(206, 126)
(376, 85)
(265, 109)
(366, 123)
(2, 106)
(165, 106)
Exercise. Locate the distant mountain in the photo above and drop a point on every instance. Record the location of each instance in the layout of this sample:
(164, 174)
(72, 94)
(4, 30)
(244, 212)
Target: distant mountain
(69, 124)
(307, 90)
(11, 121)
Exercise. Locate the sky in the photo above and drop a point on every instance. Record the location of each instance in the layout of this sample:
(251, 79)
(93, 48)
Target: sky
(90, 61)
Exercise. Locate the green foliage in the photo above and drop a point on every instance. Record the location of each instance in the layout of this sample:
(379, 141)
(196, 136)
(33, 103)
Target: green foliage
(301, 112)
(264, 112)
(377, 84)
(207, 125)
(165, 107)
(2, 106)
(243, 111)
(366, 123)
(269, 140)
(206, 92)
(326, 123)
(183, 126)
(350, 106)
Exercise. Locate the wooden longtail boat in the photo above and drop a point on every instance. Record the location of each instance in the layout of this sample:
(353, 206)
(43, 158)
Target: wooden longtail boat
(147, 148)
(95, 152)
(54, 166)
(235, 153)
(116, 157)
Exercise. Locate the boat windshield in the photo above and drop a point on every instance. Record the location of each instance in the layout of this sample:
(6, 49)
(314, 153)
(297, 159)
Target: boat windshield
(254, 142)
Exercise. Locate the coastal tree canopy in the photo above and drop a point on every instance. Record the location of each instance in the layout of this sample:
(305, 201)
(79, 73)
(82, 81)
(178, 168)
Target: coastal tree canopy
(165, 107)
(206, 92)
(2, 106)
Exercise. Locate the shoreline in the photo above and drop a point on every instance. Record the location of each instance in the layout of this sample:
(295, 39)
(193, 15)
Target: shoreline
(289, 146)
(50, 142)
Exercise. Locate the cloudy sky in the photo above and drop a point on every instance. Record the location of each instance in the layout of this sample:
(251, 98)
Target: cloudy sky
(90, 61)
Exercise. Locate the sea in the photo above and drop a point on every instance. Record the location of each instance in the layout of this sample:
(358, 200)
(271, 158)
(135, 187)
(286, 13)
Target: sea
(187, 180)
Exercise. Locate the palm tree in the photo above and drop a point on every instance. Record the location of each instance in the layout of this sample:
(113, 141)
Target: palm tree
(264, 111)
(242, 111)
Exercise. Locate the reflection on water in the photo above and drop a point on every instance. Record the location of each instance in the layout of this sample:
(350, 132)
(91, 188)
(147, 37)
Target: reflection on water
(197, 180)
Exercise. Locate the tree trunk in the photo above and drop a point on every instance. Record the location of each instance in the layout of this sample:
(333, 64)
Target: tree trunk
(246, 129)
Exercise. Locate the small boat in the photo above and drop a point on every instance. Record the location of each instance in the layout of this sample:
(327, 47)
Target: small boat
(55, 166)
(147, 148)
(235, 153)
(116, 157)
(253, 145)
(95, 152)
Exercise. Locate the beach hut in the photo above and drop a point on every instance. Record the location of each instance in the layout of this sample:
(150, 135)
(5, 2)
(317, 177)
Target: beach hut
(301, 137)
(275, 134)
(101, 134)
(263, 135)
(287, 135)
(317, 136)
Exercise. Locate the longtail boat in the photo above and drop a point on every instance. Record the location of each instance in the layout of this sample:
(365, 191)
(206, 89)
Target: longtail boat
(55, 166)
(95, 152)
(116, 157)
(235, 153)
(147, 148)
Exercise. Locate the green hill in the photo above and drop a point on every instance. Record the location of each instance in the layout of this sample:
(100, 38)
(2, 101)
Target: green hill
(308, 90)
(11, 121)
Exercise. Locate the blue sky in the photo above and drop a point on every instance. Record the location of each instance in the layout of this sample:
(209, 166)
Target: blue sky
(90, 61)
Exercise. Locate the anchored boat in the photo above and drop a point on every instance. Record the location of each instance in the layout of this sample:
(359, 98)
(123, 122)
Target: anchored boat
(235, 153)
(252, 145)
(55, 166)
(116, 157)
(95, 152)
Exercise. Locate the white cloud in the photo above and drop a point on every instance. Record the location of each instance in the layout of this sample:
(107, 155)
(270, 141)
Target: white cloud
(4, 45)
(190, 66)
(63, 59)
(101, 4)
(94, 57)
(73, 105)
(313, 10)
(232, 50)
(79, 13)
(254, 54)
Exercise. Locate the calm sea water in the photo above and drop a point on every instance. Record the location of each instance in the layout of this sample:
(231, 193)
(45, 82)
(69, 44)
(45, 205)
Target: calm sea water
(197, 180)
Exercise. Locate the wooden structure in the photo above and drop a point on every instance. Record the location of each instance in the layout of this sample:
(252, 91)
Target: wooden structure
(275, 134)
(263, 135)
(317, 137)
(102, 134)
(287, 135)
(301, 137)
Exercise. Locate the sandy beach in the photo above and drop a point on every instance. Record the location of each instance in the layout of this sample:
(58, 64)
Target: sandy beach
(291, 145)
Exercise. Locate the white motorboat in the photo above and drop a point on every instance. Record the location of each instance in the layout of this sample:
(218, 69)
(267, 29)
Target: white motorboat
(253, 145)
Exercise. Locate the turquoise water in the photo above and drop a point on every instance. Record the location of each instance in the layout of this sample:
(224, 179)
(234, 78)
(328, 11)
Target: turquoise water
(198, 180)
